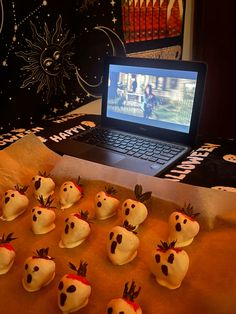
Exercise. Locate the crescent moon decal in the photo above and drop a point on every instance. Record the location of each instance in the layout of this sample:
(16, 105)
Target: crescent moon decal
(118, 48)
(90, 89)
(2, 16)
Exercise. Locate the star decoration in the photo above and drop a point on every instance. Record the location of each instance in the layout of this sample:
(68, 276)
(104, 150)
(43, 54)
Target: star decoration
(112, 3)
(114, 20)
(66, 104)
(77, 99)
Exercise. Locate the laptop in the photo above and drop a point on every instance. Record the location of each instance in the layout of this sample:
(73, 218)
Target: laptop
(153, 103)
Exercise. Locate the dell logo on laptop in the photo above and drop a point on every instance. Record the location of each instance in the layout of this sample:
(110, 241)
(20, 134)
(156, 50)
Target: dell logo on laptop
(142, 129)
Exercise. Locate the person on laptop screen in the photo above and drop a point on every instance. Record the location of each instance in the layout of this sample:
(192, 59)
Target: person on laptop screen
(149, 101)
(163, 97)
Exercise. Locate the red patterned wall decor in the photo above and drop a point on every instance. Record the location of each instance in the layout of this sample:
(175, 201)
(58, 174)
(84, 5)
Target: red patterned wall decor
(145, 20)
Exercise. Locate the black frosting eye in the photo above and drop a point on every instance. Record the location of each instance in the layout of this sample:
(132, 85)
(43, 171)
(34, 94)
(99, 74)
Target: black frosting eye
(171, 258)
(5, 193)
(185, 220)
(125, 204)
(33, 210)
(39, 212)
(72, 225)
(61, 285)
(26, 266)
(111, 235)
(122, 312)
(133, 205)
(109, 310)
(33, 178)
(36, 268)
(177, 217)
(65, 189)
(157, 258)
(66, 219)
(71, 289)
(71, 186)
(12, 195)
(119, 238)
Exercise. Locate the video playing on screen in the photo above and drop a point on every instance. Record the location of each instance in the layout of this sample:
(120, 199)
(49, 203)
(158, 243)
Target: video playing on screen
(151, 96)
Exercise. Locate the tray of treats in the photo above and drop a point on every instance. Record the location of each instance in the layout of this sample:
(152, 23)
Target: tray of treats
(78, 237)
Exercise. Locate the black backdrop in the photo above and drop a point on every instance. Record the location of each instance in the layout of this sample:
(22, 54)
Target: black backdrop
(47, 49)
(51, 55)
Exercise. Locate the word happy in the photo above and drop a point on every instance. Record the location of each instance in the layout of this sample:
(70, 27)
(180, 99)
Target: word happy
(66, 133)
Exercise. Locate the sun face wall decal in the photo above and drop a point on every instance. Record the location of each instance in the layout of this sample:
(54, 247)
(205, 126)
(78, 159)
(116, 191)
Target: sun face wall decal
(49, 60)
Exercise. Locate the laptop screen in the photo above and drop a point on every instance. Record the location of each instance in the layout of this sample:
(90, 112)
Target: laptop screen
(162, 95)
(151, 96)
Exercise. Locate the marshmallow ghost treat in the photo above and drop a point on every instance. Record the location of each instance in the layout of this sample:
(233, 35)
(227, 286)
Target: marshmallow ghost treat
(76, 230)
(126, 304)
(39, 270)
(122, 245)
(74, 289)
(169, 265)
(70, 193)
(106, 204)
(134, 212)
(43, 216)
(183, 227)
(43, 185)
(14, 203)
(7, 253)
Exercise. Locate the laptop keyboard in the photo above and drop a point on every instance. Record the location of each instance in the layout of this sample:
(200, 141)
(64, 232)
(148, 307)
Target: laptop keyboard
(131, 145)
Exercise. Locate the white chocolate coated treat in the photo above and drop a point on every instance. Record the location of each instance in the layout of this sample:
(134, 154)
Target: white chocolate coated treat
(13, 205)
(42, 220)
(105, 205)
(224, 188)
(133, 212)
(73, 293)
(43, 186)
(75, 232)
(170, 267)
(119, 305)
(182, 229)
(69, 194)
(38, 272)
(122, 245)
(7, 257)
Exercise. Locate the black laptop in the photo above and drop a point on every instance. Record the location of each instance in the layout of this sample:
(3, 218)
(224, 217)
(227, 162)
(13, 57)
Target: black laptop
(150, 115)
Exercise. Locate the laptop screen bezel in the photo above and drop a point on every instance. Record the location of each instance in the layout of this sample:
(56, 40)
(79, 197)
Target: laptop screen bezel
(146, 130)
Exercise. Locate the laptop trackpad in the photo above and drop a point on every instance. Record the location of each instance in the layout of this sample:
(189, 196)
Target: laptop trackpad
(136, 165)
(101, 156)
